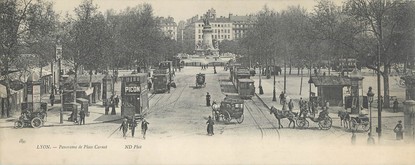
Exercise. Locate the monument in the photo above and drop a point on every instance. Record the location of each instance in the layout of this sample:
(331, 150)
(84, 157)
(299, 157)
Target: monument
(207, 46)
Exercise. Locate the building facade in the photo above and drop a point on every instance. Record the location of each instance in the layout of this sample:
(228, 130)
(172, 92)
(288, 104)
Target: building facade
(168, 26)
(224, 28)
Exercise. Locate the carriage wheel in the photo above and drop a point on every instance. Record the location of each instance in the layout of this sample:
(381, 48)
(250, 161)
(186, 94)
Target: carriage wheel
(36, 122)
(18, 124)
(240, 119)
(302, 123)
(326, 123)
(354, 124)
(227, 117)
(365, 127)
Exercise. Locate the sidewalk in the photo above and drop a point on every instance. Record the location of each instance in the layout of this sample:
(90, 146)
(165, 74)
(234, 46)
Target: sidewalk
(96, 115)
(293, 90)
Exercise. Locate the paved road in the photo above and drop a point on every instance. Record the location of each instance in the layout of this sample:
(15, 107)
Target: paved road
(177, 134)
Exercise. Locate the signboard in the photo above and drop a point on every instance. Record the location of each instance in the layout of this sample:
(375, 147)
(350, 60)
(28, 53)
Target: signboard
(58, 52)
(132, 87)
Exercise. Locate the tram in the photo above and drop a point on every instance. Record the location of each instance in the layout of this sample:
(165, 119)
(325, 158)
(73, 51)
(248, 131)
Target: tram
(134, 95)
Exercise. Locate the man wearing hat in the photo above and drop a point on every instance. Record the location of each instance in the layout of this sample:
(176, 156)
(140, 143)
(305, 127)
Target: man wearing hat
(124, 127)
(144, 127)
(398, 130)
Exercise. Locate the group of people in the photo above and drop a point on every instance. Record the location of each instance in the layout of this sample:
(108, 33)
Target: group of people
(125, 125)
(204, 66)
(112, 102)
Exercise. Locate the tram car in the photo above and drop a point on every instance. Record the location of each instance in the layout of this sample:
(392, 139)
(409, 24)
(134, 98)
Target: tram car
(134, 95)
(160, 82)
(246, 88)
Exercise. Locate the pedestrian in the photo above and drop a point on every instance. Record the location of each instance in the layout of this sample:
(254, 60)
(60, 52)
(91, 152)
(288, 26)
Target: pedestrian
(398, 130)
(82, 117)
(353, 138)
(208, 99)
(168, 87)
(300, 103)
(395, 105)
(291, 105)
(117, 101)
(124, 127)
(214, 70)
(52, 99)
(281, 97)
(133, 124)
(149, 85)
(144, 127)
(113, 107)
(210, 124)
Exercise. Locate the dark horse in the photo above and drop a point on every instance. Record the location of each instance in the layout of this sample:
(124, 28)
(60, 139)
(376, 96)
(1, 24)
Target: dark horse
(279, 114)
(344, 118)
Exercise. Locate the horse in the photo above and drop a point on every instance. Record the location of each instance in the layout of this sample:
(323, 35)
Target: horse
(344, 118)
(215, 107)
(279, 114)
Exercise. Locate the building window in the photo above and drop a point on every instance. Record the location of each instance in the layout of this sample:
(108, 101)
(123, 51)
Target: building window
(229, 37)
(221, 36)
(200, 37)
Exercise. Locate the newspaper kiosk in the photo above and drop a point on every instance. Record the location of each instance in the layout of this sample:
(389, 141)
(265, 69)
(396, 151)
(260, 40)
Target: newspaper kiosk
(134, 95)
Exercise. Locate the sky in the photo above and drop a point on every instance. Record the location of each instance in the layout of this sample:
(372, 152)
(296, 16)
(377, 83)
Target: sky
(184, 9)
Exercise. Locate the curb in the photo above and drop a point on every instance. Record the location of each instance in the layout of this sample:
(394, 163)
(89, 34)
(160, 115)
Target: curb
(56, 125)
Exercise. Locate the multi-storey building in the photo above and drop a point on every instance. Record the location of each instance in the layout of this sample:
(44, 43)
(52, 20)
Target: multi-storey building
(168, 26)
(224, 28)
(241, 24)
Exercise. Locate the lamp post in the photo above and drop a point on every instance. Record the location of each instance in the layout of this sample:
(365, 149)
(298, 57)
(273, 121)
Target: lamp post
(274, 98)
(261, 91)
(370, 95)
(59, 57)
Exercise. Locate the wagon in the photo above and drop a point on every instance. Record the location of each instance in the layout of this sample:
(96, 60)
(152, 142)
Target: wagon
(200, 80)
(33, 119)
(360, 121)
(230, 108)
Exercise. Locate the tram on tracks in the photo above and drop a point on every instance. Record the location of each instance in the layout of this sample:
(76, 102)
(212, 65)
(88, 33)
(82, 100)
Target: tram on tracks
(134, 95)
(240, 77)
(163, 77)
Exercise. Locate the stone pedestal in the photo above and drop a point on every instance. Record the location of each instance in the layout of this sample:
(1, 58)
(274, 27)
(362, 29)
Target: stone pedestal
(409, 121)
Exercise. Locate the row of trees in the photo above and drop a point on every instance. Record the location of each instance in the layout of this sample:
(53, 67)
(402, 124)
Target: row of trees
(360, 29)
(90, 39)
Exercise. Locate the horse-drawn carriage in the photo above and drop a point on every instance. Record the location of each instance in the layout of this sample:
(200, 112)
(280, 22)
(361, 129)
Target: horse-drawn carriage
(230, 108)
(360, 121)
(200, 80)
(324, 120)
(33, 119)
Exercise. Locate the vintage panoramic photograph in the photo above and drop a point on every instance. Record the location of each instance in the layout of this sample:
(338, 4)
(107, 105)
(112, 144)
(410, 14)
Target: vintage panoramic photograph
(207, 82)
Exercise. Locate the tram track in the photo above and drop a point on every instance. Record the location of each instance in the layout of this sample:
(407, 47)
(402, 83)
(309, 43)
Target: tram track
(266, 127)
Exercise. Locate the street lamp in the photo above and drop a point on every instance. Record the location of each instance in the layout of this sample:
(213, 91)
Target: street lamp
(261, 91)
(274, 98)
(370, 95)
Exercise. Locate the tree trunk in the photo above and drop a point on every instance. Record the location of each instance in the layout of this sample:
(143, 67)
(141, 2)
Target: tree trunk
(289, 72)
(386, 102)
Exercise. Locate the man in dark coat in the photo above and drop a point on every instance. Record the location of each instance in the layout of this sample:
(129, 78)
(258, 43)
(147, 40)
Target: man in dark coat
(144, 127)
(82, 117)
(124, 128)
(207, 99)
(52, 99)
(133, 124)
(395, 105)
(210, 124)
